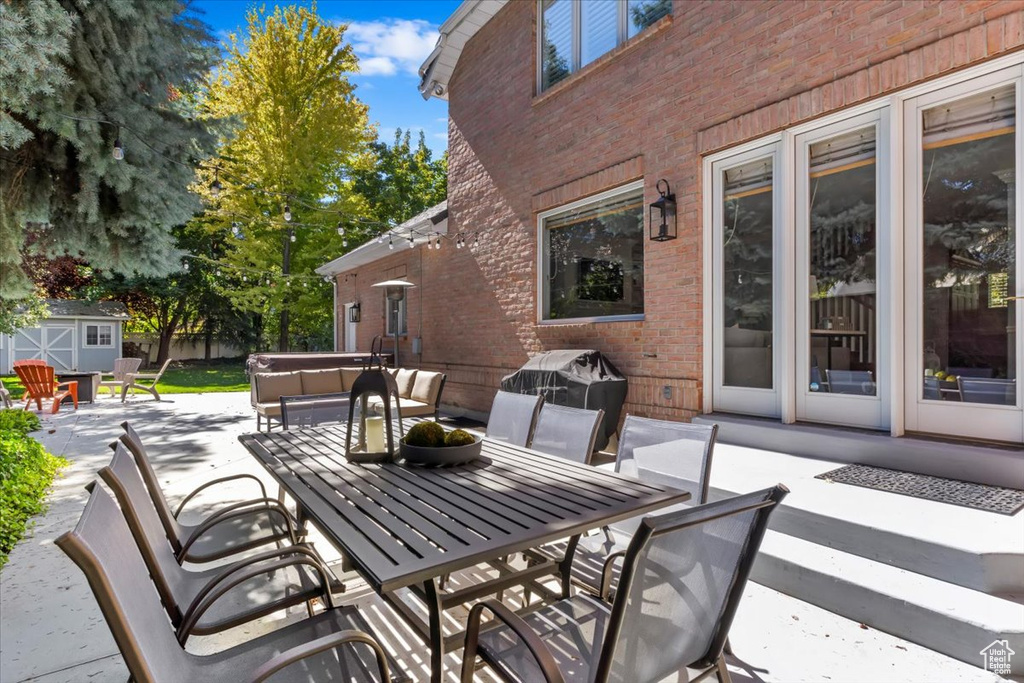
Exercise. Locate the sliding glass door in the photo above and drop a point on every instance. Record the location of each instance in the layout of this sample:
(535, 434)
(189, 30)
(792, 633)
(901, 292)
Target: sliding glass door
(963, 155)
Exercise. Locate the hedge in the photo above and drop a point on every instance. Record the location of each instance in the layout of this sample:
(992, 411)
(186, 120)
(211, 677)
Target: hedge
(26, 472)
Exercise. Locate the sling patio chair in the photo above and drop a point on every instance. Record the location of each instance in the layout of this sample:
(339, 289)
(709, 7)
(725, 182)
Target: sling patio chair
(335, 645)
(567, 432)
(41, 385)
(118, 379)
(682, 580)
(245, 590)
(677, 454)
(513, 417)
(231, 529)
(133, 382)
(857, 382)
(302, 411)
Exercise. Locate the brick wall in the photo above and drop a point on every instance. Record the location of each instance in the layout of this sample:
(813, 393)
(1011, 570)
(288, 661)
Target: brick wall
(712, 75)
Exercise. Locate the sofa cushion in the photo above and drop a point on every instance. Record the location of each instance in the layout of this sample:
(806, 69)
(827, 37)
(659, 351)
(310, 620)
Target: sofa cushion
(270, 408)
(426, 386)
(405, 380)
(321, 381)
(271, 386)
(409, 407)
(348, 376)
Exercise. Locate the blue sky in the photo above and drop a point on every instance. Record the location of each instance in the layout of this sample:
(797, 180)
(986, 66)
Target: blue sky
(391, 39)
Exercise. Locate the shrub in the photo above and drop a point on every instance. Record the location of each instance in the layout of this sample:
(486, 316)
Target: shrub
(458, 437)
(425, 434)
(26, 472)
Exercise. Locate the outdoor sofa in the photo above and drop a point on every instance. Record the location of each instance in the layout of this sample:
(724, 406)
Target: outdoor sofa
(419, 391)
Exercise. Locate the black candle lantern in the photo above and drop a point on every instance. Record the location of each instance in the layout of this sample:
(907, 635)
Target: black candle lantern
(375, 442)
(354, 314)
(663, 214)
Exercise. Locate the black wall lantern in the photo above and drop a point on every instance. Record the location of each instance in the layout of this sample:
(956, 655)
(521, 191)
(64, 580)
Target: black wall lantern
(354, 314)
(663, 214)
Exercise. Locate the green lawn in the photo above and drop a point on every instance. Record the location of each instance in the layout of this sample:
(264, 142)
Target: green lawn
(182, 378)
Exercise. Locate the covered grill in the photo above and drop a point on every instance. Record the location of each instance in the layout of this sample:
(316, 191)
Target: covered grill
(580, 379)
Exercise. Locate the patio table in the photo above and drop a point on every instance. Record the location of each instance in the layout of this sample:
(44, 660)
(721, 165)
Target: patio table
(405, 527)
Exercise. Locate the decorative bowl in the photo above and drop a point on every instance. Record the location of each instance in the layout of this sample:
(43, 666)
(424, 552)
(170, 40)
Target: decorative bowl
(441, 455)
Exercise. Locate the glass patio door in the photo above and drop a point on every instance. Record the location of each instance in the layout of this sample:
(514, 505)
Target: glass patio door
(746, 246)
(842, 291)
(963, 266)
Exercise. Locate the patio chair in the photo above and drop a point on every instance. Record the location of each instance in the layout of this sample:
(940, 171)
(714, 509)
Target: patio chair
(40, 385)
(122, 368)
(682, 580)
(676, 454)
(334, 645)
(245, 590)
(5, 397)
(567, 432)
(231, 529)
(298, 412)
(858, 382)
(1001, 392)
(513, 417)
(132, 382)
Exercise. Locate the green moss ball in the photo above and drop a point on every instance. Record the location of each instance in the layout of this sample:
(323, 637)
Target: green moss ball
(458, 437)
(428, 434)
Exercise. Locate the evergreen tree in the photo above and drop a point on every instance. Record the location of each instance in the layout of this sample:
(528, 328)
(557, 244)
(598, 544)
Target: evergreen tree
(132, 67)
(299, 130)
(399, 181)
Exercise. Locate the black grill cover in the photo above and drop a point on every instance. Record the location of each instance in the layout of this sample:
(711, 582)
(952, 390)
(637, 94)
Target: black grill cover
(580, 379)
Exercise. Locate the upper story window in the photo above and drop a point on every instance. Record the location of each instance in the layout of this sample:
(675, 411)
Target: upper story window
(592, 257)
(576, 32)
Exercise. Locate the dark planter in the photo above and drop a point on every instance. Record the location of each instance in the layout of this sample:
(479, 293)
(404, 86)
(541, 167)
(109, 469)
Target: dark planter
(441, 456)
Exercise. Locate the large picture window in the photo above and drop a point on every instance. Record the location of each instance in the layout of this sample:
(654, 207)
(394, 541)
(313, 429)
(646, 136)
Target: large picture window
(574, 33)
(593, 257)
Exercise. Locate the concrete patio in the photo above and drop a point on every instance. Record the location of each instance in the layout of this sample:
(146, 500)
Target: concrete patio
(51, 629)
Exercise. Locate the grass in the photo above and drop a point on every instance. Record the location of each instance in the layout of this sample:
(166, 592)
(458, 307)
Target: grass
(26, 472)
(190, 377)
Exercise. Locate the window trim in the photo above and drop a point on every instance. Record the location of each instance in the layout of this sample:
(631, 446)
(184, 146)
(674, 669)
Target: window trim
(403, 315)
(576, 66)
(97, 345)
(542, 268)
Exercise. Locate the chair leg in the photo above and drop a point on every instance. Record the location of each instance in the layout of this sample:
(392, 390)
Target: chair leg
(723, 671)
(74, 395)
(258, 420)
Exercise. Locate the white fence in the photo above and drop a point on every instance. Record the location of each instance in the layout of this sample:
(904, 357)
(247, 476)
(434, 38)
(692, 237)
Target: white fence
(182, 348)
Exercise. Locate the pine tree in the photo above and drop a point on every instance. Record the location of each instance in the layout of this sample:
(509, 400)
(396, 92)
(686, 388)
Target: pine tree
(132, 67)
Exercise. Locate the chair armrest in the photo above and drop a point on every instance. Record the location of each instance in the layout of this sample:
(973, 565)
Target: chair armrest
(536, 646)
(238, 510)
(58, 385)
(221, 480)
(300, 652)
(237, 576)
(608, 572)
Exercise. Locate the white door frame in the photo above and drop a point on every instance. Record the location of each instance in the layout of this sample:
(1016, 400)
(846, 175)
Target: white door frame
(1003, 423)
(844, 409)
(351, 330)
(746, 399)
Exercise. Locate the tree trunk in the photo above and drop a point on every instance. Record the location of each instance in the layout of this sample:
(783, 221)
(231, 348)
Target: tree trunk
(282, 338)
(164, 350)
(208, 343)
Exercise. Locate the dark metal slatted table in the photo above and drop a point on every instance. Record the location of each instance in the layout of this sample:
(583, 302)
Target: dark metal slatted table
(406, 526)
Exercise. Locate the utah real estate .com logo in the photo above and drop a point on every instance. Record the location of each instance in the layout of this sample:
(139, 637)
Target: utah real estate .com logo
(997, 657)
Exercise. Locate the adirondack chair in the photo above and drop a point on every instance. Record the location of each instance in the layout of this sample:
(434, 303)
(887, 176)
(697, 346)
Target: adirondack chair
(122, 368)
(39, 381)
(132, 382)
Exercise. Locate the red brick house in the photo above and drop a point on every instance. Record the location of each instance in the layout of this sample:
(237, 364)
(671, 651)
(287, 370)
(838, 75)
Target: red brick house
(844, 177)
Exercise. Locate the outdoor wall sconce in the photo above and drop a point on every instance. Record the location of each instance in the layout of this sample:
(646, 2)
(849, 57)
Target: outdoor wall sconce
(663, 214)
(354, 314)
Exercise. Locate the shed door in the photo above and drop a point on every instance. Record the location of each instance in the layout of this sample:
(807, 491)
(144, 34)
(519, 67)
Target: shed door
(54, 344)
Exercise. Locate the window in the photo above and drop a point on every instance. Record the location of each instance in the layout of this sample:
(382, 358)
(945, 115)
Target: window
(99, 335)
(397, 317)
(593, 257)
(574, 33)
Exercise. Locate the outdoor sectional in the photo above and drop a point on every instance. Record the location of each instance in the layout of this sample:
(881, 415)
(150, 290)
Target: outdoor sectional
(419, 390)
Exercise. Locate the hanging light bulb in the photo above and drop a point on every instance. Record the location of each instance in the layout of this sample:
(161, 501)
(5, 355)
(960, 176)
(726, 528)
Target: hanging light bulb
(411, 243)
(438, 247)
(215, 186)
(291, 237)
(287, 212)
(184, 266)
(118, 147)
(380, 239)
(430, 242)
(245, 278)
(218, 272)
(391, 244)
(476, 241)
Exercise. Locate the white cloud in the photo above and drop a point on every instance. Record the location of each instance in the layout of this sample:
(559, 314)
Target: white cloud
(389, 46)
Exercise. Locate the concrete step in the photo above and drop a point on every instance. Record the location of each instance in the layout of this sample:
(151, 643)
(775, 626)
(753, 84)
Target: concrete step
(978, 550)
(942, 616)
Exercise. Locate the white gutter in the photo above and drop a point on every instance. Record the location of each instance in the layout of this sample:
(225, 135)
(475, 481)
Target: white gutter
(455, 32)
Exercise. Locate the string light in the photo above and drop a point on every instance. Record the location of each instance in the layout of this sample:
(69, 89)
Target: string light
(215, 186)
(438, 236)
(288, 213)
(118, 147)
(411, 243)
(476, 241)
(291, 237)
(184, 266)
(391, 244)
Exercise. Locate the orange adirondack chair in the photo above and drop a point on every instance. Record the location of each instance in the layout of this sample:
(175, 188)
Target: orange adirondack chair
(38, 378)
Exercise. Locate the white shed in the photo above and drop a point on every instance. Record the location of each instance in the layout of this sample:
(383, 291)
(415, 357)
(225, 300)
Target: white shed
(82, 336)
